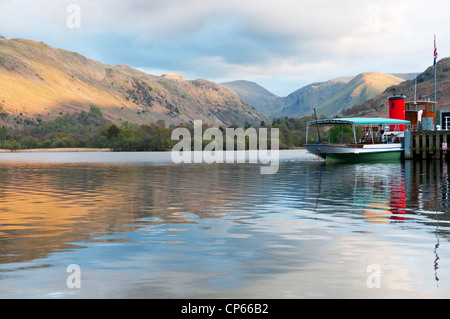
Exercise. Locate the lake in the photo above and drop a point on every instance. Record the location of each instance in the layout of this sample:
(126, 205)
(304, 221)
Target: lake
(135, 225)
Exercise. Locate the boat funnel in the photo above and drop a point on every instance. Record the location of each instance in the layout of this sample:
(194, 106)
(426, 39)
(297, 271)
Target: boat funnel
(397, 110)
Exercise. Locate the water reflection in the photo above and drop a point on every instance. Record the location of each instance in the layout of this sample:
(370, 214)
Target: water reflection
(400, 189)
(407, 193)
(160, 230)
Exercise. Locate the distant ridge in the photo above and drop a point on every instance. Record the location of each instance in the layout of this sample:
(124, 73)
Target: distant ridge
(303, 101)
(254, 94)
(329, 98)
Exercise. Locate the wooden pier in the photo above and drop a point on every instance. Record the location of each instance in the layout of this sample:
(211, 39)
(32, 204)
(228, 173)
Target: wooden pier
(422, 145)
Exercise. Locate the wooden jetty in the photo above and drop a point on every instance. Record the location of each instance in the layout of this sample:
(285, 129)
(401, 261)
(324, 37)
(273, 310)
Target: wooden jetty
(426, 145)
(422, 141)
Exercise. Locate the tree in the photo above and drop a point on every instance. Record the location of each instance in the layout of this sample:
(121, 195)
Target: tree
(29, 142)
(12, 145)
(126, 130)
(113, 132)
(341, 134)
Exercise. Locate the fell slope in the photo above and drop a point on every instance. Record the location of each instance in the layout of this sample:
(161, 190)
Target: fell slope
(305, 100)
(38, 82)
(358, 90)
(254, 94)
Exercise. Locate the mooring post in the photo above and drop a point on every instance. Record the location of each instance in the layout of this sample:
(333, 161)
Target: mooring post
(424, 145)
(417, 136)
(408, 145)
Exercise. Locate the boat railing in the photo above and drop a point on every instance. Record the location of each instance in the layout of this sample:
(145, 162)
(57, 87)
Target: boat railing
(385, 133)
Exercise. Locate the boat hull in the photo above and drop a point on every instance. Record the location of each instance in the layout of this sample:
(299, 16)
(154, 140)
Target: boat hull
(368, 153)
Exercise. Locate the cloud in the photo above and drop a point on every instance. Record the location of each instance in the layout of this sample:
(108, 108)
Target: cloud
(301, 41)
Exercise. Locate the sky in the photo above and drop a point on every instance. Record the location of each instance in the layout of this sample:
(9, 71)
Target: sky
(282, 45)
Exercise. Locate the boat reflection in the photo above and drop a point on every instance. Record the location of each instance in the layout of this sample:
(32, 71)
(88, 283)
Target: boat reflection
(407, 193)
(391, 191)
(398, 198)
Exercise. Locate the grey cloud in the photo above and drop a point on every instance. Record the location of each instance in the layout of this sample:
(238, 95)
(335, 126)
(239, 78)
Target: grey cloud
(252, 38)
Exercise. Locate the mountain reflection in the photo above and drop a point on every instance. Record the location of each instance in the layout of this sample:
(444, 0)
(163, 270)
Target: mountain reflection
(50, 207)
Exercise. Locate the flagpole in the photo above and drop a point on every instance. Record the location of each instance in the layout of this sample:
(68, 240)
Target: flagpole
(435, 67)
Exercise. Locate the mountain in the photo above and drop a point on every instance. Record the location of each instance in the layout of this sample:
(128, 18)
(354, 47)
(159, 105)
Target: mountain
(332, 97)
(254, 94)
(329, 98)
(298, 103)
(38, 83)
(376, 106)
(304, 100)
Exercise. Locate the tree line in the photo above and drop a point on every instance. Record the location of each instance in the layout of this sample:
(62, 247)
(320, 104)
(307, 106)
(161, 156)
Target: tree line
(92, 130)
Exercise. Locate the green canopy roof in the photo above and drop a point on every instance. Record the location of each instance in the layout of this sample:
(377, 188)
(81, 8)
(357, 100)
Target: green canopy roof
(359, 120)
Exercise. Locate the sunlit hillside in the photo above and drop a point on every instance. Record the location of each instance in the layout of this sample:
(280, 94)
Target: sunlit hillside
(358, 90)
(422, 89)
(38, 82)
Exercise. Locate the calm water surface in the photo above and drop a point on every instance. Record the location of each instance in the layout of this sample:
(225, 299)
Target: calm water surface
(139, 226)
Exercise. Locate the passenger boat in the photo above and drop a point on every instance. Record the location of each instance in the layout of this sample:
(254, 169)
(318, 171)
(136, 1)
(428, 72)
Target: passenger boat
(382, 139)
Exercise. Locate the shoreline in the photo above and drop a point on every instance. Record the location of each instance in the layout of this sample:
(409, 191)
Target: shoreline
(87, 149)
(56, 150)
